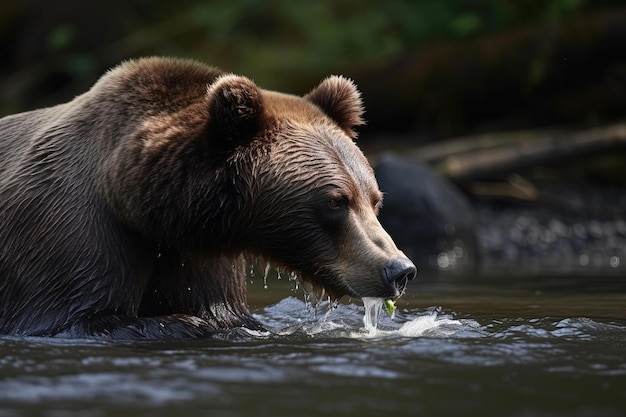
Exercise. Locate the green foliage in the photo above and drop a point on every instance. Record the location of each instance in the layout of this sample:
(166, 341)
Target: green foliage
(272, 37)
(366, 28)
(60, 38)
(280, 43)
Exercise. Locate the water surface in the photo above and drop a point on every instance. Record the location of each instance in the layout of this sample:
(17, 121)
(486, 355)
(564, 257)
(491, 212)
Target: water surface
(452, 349)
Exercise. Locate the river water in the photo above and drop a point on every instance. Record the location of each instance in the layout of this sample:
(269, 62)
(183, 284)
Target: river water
(540, 348)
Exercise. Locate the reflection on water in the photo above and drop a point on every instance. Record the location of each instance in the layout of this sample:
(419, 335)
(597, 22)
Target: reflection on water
(517, 352)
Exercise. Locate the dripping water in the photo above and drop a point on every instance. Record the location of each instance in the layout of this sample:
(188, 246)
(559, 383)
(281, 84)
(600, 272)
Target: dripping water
(373, 307)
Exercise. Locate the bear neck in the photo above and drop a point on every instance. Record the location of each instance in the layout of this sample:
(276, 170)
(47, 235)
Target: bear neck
(180, 204)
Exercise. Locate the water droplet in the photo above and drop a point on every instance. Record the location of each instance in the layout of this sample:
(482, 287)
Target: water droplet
(614, 261)
(266, 271)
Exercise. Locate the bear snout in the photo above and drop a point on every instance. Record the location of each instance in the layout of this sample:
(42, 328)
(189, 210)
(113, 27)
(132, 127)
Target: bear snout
(397, 272)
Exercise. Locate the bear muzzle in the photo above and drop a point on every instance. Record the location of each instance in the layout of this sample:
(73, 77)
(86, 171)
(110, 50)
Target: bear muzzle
(397, 273)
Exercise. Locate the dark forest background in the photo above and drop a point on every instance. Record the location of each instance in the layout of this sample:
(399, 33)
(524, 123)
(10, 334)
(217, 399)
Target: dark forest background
(428, 68)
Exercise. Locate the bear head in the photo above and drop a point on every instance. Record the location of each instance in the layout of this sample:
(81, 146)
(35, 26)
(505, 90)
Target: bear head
(307, 198)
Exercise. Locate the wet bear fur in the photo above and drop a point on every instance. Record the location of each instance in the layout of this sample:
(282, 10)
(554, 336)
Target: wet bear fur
(128, 212)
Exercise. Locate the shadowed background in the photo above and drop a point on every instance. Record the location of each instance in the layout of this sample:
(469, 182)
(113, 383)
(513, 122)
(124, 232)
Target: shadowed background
(437, 68)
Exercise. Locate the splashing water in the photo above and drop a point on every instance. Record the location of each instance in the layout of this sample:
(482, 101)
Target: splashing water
(293, 317)
(373, 307)
(321, 315)
(432, 323)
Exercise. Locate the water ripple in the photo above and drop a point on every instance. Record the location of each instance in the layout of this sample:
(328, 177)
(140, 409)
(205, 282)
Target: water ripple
(316, 360)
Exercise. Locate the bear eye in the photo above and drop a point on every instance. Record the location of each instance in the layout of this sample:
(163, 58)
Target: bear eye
(334, 203)
(336, 200)
(334, 208)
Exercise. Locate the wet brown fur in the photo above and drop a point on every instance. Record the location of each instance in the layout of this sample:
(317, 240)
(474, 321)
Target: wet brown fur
(127, 212)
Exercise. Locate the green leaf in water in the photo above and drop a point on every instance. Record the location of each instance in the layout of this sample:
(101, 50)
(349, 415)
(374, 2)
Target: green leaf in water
(390, 306)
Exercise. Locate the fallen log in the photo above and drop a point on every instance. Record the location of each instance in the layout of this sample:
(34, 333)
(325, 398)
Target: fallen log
(486, 157)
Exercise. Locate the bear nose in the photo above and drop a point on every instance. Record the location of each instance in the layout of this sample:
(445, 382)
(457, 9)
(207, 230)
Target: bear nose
(398, 271)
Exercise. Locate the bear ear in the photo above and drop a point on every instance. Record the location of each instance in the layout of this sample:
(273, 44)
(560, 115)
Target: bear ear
(339, 98)
(235, 105)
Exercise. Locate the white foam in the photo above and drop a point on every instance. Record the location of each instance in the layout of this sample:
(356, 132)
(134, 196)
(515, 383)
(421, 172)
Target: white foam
(422, 324)
(432, 324)
(293, 316)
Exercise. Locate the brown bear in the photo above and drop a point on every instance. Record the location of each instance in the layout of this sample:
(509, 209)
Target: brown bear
(128, 212)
